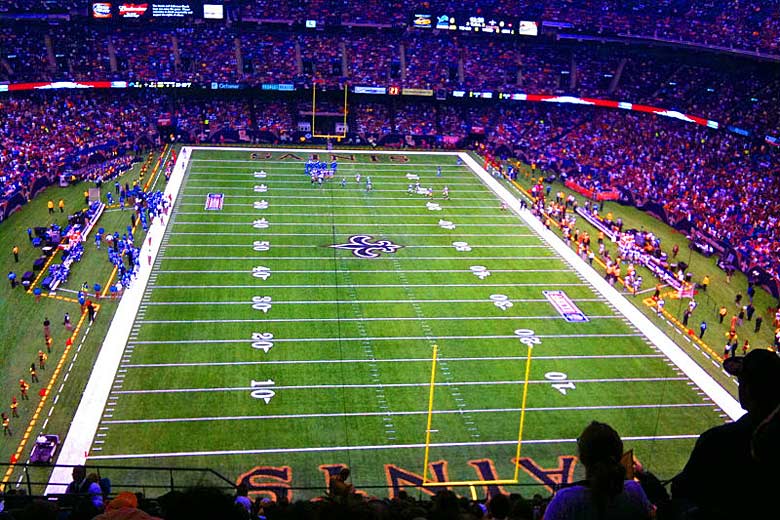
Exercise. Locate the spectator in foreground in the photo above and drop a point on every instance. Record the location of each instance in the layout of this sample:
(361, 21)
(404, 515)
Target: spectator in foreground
(604, 493)
(338, 487)
(722, 455)
(89, 496)
(124, 507)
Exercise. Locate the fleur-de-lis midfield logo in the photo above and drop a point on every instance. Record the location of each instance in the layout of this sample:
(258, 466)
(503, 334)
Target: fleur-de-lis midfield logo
(361, 246)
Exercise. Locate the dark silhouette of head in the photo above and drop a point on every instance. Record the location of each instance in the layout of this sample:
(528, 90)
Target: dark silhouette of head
(600, 450)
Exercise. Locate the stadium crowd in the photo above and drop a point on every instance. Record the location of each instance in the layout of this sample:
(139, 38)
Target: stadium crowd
(748, 26)
(685, 168)
(731, 23)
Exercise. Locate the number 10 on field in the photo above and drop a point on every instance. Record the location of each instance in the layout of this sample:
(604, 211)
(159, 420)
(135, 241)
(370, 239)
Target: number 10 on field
(560, 381)
(262, 390)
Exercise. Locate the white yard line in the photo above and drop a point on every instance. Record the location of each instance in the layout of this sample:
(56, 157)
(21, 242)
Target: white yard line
(416, 205)
(349, 224)
(517, 382)
(296, 271)
(262, 213)
(88, 414)
(327, 449)
(690, 368)
(426, 360)
(266, 234)
(405, 413)
(352, 257)
(347, 339)
(389, 285)
(366, 302)
(329, 198)
(315, 246)
(556, 317)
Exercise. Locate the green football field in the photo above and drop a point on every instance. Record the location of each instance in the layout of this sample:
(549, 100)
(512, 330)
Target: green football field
(261, 351)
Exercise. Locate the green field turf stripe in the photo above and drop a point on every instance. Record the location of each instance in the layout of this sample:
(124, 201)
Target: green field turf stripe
(323, 302)
(299, 167)
(380, 319)
(223, 188)
(302, 180)
(323, 449)
(340, 196)
(301, 271)
(347, 224)
(407, 413)
(434, 235)
(350, 257)
(390, 360)
(306, 208)
(376, 338)
(314, 246)
(396, 385)
(340, 215)
(286, 163)
(326, 286)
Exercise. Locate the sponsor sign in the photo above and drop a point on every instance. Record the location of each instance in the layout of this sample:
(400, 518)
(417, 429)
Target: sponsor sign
(214, 201)
(132, 10)
(101, 10)
(565, 306)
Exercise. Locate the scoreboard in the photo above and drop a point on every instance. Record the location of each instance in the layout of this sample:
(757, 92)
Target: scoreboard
(118, 11)
(475, 23)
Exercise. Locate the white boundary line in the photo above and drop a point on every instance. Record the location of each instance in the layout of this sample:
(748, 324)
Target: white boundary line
(264, 235)
(353, 257)
(405, 413)
(517, 382)
(599, 357)
(343, 339)
(369, 285)
(88, 414)
(676, 355)
(362, 302)
(325, 449)
(362, 271)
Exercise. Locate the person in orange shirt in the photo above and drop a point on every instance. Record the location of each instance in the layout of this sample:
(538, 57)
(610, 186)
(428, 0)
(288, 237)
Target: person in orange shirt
(42, 357)
(23, 386)
(14, 406)
(6, 425)
(33, 373)
(50, 205)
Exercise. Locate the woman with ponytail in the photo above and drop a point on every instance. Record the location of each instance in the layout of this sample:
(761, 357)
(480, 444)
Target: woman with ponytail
(605, 494)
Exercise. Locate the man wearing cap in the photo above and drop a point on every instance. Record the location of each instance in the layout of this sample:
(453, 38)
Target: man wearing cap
(723, 454)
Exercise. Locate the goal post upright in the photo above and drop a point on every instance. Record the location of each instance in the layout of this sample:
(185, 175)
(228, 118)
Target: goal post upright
(430, 412)
(429, 422)
(314, 133)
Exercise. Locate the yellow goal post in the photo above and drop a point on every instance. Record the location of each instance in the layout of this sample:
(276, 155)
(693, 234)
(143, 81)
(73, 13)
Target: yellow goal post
(314, 133)
(429, 423)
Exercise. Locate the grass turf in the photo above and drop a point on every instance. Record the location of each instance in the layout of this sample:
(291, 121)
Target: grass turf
(352, 337)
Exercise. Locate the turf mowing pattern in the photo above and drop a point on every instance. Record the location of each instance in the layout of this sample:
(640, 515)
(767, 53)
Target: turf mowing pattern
(343, 353)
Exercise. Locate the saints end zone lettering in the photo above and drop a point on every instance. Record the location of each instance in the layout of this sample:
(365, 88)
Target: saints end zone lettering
(267, 156)
(273, 482)
(551, 478)
(399, 478)
(276, 482)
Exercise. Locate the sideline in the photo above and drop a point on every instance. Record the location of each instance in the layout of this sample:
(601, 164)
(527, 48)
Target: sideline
(78, 441)
(676, 355)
